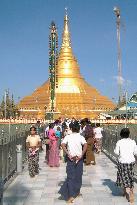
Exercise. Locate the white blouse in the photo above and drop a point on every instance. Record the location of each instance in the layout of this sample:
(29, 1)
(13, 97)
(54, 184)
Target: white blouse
(98, 132)
(126, 149)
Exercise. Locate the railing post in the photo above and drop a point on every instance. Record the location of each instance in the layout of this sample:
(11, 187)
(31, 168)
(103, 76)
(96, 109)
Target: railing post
(19, 158)
(1, 191)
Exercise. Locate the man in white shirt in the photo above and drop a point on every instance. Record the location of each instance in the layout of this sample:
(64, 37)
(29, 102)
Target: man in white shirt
(72, 146)
(98, 137)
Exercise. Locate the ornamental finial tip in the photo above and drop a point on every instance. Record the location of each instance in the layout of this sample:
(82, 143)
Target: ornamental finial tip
(66, 10)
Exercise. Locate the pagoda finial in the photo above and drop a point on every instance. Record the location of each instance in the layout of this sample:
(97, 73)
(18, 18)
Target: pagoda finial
(66, 10)
(66, 42)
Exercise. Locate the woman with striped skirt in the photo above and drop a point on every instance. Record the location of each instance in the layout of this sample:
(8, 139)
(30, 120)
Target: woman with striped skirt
(126, 149)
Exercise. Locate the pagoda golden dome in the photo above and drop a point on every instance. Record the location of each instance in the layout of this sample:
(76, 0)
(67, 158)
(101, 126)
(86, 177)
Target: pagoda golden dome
(74, 96)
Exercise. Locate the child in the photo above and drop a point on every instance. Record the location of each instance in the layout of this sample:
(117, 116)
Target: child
(58, 135)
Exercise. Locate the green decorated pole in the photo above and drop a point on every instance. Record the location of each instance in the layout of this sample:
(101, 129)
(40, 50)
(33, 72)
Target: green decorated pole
(53, 54)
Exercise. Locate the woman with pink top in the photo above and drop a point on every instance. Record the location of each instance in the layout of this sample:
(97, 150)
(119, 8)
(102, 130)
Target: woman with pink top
(53, 148)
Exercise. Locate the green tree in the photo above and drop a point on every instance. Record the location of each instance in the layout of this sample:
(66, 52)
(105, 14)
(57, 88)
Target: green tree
(2, 108)
(8, 107)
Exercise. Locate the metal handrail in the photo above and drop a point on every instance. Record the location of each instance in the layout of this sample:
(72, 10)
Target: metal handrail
(111, 134)
(9, 138)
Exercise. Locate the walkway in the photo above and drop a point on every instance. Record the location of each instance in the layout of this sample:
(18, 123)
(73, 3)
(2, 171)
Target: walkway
(98, 186)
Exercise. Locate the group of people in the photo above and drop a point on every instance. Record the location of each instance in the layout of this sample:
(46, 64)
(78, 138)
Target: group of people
(56, 132)
(79, 141)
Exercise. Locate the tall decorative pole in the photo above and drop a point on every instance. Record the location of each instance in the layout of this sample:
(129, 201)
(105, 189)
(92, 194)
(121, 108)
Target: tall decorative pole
(5, 104)
(53, 55)
(117, 13)
(126, 95)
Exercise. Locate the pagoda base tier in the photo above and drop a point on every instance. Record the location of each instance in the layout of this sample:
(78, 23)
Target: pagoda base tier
(87, 103)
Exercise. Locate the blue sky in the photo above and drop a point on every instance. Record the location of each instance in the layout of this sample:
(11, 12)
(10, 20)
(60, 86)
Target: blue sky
(24, 30)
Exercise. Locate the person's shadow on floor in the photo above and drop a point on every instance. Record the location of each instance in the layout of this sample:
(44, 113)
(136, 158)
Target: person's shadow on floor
(116, 191)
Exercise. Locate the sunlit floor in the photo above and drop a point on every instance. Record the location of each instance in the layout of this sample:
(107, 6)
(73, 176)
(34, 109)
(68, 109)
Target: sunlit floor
(98, 186)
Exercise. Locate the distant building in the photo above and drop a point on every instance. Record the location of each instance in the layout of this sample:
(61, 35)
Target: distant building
(131, 103)
(127, 109)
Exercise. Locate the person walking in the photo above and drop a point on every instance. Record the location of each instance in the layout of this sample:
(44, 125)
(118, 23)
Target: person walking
(67, 131)
(33, 143)
(53, 157)
(72, 145)
(58, 135)
(126, 149)
(40, 132)
(87, 132)
(98, 137)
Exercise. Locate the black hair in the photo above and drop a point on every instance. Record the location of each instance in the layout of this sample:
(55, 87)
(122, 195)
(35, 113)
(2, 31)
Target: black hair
(51, 125)
(82, 122)
(58, 128)
(33, 128)
(75, 126)
(56, 122)
(70, 125)
(85, 121)
(98, 125)
(124, 133)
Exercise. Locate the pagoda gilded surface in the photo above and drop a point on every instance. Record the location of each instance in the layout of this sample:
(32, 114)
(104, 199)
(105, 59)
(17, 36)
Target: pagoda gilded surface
(74, 96)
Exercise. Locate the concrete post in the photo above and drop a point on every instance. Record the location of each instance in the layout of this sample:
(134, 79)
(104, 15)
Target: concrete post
(19, 158)
(1, 191)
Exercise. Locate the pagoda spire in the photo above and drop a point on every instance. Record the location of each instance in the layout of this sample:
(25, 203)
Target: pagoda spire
(67, 63)
(66, 42)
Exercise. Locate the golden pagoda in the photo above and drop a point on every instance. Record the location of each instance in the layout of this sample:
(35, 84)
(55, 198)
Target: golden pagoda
(74, 96)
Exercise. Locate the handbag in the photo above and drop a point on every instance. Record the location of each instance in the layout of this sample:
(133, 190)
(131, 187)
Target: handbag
(47, 141)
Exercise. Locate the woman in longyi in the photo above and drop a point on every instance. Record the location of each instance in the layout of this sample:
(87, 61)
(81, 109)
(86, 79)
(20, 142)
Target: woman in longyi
(33, 143)
(53, 160)
(126, 149)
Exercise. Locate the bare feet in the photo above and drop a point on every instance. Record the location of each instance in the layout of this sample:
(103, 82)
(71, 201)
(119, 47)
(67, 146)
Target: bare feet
(131, 197)
(70, 200)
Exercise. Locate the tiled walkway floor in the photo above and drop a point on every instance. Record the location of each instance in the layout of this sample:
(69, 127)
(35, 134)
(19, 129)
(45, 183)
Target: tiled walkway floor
(98, 186)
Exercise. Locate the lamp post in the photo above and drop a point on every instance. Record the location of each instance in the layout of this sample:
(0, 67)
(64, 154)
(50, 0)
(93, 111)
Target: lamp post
(117, 13)
(126, 109)
(5, 107)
